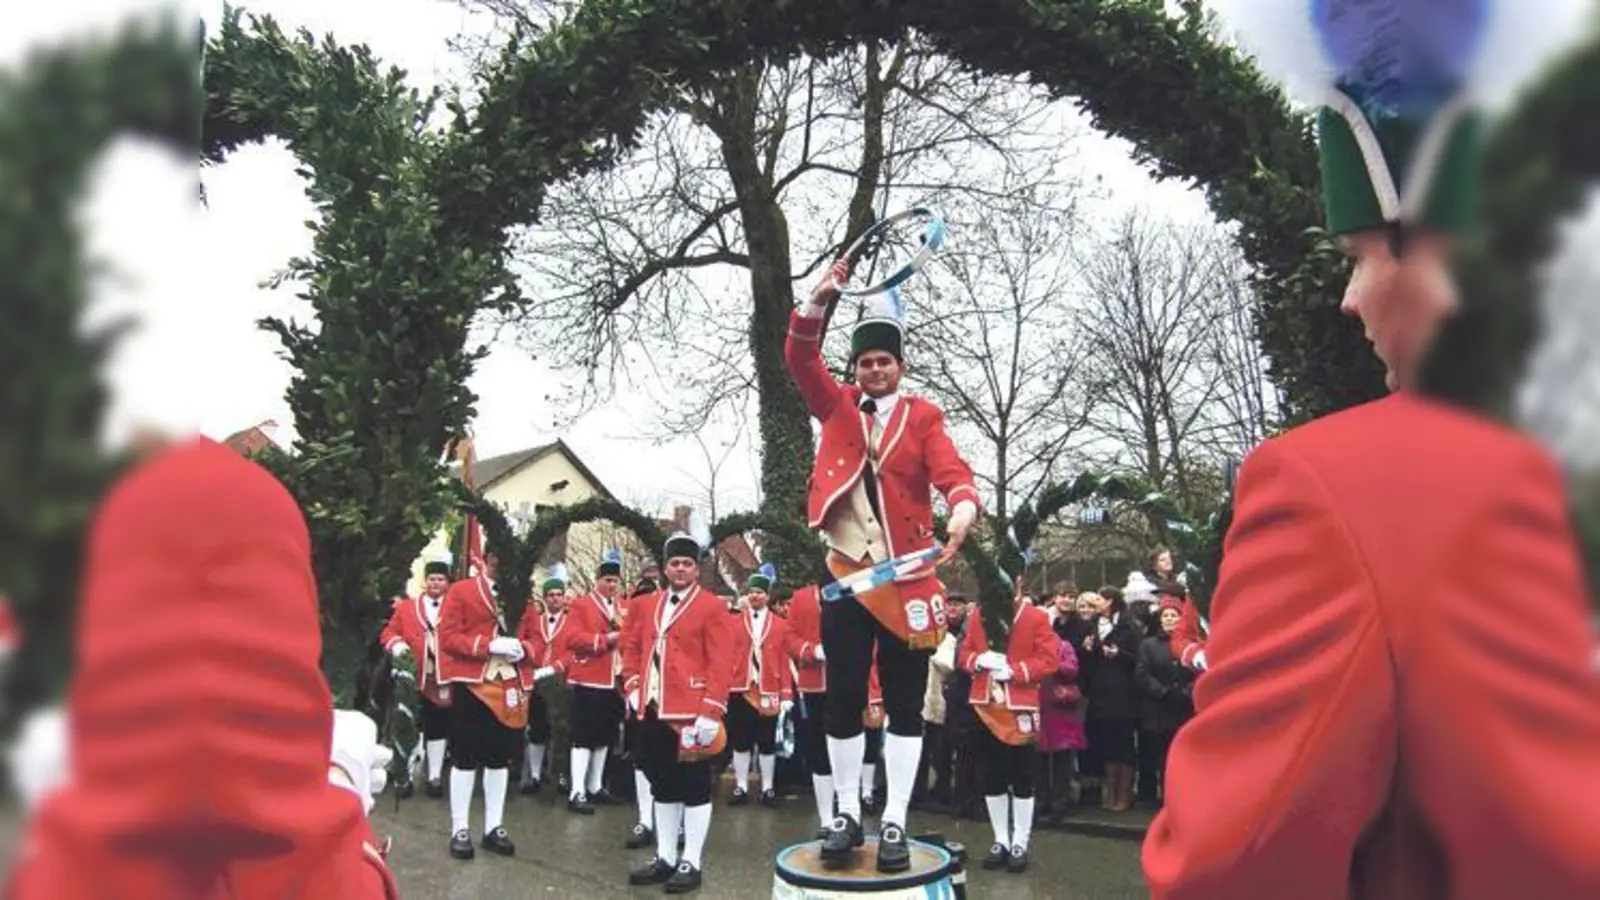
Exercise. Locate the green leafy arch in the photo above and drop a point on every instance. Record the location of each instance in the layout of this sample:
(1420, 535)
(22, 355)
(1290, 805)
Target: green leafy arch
(60, 110)
(575, 98)
(1196, 541)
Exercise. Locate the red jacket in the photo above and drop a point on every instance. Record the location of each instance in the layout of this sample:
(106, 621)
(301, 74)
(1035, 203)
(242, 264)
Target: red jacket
(802, 638)
(1188, 639)
(917, 454)
(408, 624)
(201, 725)
(1399, 658)
(589, 661)
(776, 682)
(546, 643)
(469, 621)
(693, 643)
(1033, 650)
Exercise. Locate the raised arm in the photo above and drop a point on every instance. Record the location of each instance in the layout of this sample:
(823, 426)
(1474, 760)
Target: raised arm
(1290, 756)
(802, 349)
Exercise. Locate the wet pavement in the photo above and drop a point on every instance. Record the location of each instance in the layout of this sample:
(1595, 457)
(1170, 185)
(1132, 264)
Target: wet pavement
(563, 855)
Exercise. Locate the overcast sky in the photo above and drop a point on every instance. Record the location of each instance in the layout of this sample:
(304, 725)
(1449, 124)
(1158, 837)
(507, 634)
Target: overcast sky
(192, 278)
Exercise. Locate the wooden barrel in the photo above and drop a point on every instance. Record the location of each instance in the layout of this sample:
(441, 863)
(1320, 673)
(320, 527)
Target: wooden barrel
(801, 875)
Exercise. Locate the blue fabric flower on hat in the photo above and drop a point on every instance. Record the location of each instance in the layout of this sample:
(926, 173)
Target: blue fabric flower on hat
(1401, 57)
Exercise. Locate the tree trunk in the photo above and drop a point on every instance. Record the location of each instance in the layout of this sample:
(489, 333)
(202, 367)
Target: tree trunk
(787, 448)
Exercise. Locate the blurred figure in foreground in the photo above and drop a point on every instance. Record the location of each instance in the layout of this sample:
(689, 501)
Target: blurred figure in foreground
(206, 759)
(1370, 725)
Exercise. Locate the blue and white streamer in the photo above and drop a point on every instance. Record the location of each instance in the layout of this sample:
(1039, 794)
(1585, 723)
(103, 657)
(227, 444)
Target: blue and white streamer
(880, 574)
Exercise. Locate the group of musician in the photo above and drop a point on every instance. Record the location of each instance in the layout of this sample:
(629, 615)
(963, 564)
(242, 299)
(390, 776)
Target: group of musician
(681, 674)
(671, 672)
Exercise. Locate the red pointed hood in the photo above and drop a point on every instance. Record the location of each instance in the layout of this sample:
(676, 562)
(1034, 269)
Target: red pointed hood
(200, 720)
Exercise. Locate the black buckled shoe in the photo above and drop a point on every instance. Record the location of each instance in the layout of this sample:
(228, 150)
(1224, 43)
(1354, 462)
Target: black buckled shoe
(769, 799)
(685, 879)
(1018, 863)
(497, 841)
(998, 857)
(461, 845)
(435, 788)
(530, 787)
(739, 797)
(640, 837)
(405, 789)
(841, 841)
(580, 805)
(656, 871)
(894, 851)
(604, 797)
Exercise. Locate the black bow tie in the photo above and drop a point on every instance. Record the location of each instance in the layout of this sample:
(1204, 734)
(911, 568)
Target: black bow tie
(673, 599)
(869, 406)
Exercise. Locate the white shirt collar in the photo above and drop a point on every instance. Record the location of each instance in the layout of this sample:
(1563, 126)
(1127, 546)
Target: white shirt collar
(886, 405)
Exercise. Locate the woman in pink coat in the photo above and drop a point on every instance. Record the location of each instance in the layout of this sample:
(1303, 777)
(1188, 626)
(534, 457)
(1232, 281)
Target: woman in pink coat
(1061, 711)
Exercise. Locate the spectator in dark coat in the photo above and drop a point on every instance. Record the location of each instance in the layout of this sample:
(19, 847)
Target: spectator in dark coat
(1109, 654)
(1168, 697)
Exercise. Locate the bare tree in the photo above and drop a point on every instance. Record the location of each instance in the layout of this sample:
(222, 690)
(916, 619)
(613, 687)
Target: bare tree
(1247, 409)
(999, 352)
(1158, 299)
(679, 263)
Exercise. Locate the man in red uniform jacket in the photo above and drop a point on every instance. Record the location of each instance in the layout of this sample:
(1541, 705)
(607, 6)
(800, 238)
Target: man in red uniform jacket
(491, 674)
(803, 642)
(880, 454)
(543, 629)
(412, 636)
(675, 671)
(592, 642)
(761, 688)
(1399, 702)
(202, 734)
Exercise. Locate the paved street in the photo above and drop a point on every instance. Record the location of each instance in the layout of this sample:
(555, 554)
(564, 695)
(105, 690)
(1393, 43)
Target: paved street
(564, 855)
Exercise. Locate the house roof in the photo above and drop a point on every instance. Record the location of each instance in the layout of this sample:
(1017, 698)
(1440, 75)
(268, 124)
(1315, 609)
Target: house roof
(494, 469)
(734, 547)
(255, 439)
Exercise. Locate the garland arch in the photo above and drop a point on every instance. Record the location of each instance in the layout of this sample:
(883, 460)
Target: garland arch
(61, 108)
(1197, 543)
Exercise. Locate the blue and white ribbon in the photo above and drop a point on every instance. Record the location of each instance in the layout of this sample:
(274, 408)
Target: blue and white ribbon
(880, 574)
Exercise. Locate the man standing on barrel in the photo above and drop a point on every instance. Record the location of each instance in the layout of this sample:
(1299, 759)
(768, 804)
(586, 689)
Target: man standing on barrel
(675, 671)
(880, 453)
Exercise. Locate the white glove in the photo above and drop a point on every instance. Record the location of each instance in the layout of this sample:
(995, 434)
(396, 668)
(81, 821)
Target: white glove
(1200, 661)
(401, 650)
(40, 759)
(821, 657)
(509, 647)
(1002, 674)
(543, 672)
(356, 750)
(705, 731)
(633, 700)
(784, 706)
(991, 661)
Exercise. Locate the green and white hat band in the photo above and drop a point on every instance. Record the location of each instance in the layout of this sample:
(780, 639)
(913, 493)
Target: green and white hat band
(1423, 171)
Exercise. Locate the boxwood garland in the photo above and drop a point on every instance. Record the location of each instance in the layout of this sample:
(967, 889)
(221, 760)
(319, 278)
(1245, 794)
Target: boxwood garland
(60, 109)
(573, 98)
